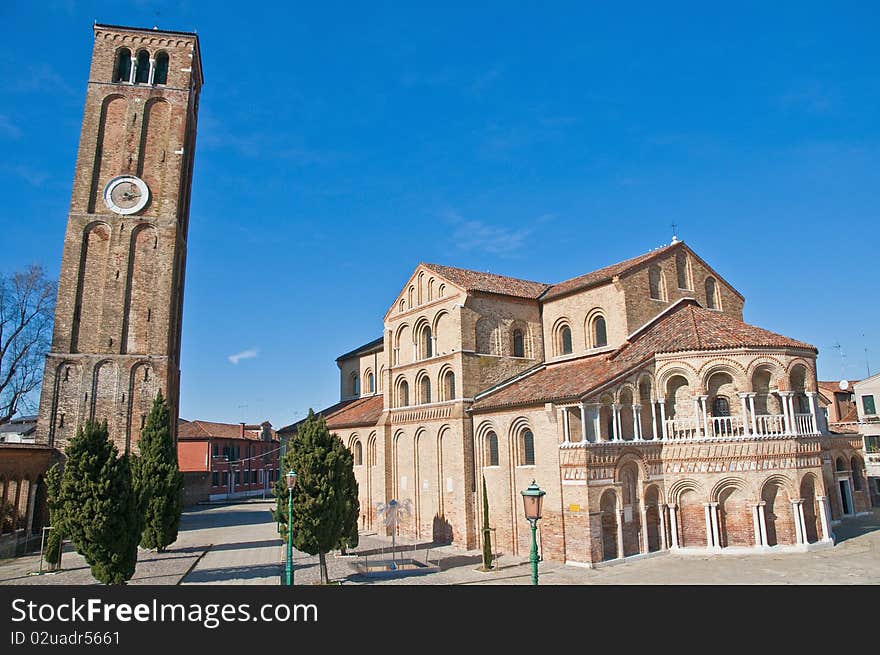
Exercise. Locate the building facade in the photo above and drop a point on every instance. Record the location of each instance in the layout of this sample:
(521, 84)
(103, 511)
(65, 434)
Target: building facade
(116, 339)
(635, 395)
(220, 461)
(866, 395)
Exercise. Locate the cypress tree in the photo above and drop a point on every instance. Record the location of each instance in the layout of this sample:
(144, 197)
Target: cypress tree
(487, 539)
(349, 491)
(99, 506)
(55, 537)
(158, 481)
(322, 510)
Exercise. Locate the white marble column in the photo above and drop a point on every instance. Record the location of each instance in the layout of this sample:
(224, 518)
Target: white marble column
(697, 417)
(762, 522)
(663, 429)
(756, 523)
(754, 416)
(637, 422)
(133, 73)
(661, 510)
(710, 541)
(620, 533)
(566, 432)
(673, 526)
(803, 522)
(798, 526)
(706, 431)
(716, 531)
(644, 513)
(786, 415)
(615, 423)
(811, 400)
(152, 71)
(654, 420)
(584, 422)
(823, 517)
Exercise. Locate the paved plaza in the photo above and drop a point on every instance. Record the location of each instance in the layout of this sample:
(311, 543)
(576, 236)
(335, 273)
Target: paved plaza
(239, 544)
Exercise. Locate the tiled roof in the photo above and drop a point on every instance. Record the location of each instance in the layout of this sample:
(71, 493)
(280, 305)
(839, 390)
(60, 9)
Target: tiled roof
(684, 326)
(604, 274)
(489, 282)
(204, 429)
(833, 387)
(348, 413)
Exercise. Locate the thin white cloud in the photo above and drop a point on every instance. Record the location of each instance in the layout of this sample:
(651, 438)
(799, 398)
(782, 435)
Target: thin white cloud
(250, 353)
(473, 234)
(8, 128)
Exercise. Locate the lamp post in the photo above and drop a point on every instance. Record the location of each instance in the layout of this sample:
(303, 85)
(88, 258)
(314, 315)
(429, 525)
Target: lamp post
(533, 499)
(288, 566)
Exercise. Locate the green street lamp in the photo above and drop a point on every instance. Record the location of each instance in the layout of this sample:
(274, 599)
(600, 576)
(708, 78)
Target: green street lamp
(288, 566)
(533, 499)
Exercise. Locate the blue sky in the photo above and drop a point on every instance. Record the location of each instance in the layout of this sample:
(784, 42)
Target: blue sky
(341, 144)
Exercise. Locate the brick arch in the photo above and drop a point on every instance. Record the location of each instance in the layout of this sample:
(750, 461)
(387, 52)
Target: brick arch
(109, 148)
(609, 505)
(558, 326)
(764, 361)
(144, 316)
(724, 365)
(682, 369)
(734, 497)
(515, 432)
(155, 148)
(809, 373)
(631, 455)
(726, 483)
(91, 279)
(778, 515)
(105, 391)
(67, 405)
(589, 320)
(809, 489)
(677, 488)
(142, 390)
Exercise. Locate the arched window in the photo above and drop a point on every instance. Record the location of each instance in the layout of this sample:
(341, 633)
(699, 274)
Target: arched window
(449, 386)
(441, 291)
(403, 394)
(654, 283)
(711, 293)
(565, 340)
(519, 346)
(382, 377)
(491, 454)
(410, 298)
(600, 334)
(122, 71)
(720, 406)
(355, 385)
(425, 390)
(358, 453)
(401, 305)
(430, 289)
(370, 381)
(427, 342)
(681, 270)
(526, 448)
(142, 75)
(160, 75)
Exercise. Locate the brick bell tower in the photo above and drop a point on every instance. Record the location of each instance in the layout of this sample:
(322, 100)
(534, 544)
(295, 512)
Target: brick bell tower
(116, 339)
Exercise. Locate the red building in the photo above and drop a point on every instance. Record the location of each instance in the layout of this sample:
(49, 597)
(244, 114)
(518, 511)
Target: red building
(227, 460)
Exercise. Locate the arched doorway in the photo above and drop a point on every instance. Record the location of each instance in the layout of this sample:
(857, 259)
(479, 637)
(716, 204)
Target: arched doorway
(811, 508)
(629, 478)
(735, 525)
(691, 520)
(652, 517)
(608, 506)
(777, 514)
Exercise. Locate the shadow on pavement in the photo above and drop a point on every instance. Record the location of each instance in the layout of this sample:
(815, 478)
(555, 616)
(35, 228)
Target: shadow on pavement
(235, 573)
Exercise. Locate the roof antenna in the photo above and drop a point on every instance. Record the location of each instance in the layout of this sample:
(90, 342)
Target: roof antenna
(867, 363)
(675, 238)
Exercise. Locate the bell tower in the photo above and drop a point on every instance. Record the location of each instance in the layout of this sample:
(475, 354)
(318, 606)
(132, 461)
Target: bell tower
(116, 339)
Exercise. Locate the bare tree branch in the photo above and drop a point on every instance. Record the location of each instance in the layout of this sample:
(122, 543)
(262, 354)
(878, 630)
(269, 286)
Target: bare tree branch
(27, 309)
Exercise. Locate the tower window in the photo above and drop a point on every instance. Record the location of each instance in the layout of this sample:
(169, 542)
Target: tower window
(160, 76)
(711, 293)
(519, 349)
(142, 74)
(122, 70)
(566, 340)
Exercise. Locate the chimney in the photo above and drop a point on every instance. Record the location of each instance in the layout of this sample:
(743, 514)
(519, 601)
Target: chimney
(241, 433)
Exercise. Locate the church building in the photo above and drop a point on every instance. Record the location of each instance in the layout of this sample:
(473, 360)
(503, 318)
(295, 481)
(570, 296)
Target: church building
(635, 395)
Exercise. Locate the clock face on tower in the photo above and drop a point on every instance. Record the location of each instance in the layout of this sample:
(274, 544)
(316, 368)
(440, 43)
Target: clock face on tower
(126, 194)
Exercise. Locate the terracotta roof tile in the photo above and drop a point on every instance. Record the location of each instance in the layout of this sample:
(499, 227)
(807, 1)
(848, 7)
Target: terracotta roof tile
(204, 429)
(348, 413)
(683, 326)
(489, 282)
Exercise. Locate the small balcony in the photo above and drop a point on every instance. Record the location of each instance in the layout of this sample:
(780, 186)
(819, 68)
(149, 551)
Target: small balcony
(727, 427)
